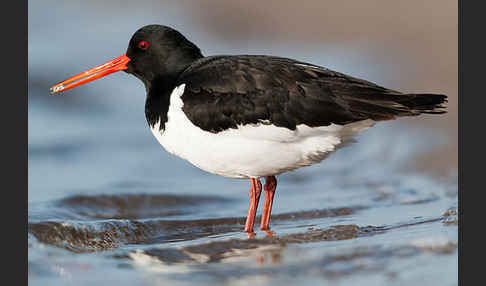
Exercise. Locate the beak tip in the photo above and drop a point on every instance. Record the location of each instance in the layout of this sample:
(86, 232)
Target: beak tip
(55, 89)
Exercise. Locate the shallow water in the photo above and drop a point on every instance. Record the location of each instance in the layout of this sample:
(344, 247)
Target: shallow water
(109, 205)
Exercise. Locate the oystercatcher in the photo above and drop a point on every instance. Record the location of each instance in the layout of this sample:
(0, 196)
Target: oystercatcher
(250, 116)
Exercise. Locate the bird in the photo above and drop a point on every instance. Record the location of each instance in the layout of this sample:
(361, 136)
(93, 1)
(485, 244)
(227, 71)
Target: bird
(250, 116)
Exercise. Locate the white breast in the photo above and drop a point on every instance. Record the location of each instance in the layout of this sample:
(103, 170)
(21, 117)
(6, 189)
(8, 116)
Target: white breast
(250, 151)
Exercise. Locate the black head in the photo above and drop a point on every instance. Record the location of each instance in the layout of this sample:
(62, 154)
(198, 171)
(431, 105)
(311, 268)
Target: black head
(155, 53)
(159, 52)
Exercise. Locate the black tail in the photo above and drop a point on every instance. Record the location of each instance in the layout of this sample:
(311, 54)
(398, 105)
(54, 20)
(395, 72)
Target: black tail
(424, 103)
(388, 106)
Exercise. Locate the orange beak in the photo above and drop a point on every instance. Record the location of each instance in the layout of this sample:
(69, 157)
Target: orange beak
(112, 66)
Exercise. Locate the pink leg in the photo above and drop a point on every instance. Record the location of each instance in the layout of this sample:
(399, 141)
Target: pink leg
(270, 186)
(255, 191)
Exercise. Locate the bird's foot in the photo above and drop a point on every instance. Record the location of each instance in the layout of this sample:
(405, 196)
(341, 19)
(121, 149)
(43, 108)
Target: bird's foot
(251, 235)
(270, 233)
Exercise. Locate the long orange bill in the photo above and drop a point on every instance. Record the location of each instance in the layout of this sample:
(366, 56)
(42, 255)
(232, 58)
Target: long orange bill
(112, 66)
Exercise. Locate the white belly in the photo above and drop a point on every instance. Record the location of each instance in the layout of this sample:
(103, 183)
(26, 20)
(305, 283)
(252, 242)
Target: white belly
(251, 151)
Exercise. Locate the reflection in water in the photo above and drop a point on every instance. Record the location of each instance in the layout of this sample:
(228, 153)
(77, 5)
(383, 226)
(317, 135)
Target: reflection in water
(264, 257)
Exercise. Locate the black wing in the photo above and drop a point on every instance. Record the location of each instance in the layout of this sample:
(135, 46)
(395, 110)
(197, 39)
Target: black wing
(223, 92)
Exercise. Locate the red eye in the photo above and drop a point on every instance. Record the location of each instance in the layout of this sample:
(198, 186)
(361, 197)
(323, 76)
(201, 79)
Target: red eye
(143, 45)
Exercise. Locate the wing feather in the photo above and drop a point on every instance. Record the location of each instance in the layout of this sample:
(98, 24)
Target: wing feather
(227, 91)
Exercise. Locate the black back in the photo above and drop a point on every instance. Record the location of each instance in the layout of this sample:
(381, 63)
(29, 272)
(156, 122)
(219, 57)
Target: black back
(223, 92)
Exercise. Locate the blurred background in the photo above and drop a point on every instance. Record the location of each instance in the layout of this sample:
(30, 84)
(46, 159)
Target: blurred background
(410, 46)
(94, 139)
